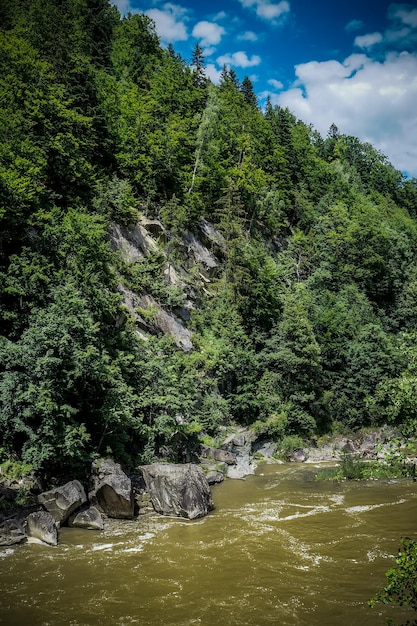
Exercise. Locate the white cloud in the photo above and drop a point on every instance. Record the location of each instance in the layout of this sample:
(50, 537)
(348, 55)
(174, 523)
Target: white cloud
(275, 13)
(209, 33)
(405, 14)
(239, 59)
(170, 22)
(123, 6)
(248, 36)
(276, 84)
(353, 25)
(367, 41)
(213, 73)
(369, 99)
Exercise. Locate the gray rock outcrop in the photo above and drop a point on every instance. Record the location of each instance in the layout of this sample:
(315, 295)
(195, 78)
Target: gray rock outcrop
(41, 527)
(62, 501)
(178, 490)
(111, 489)
(87, 518)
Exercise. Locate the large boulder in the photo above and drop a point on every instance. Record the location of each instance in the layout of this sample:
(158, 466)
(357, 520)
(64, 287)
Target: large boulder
(178, 490)
(41, 527)
(87, 518)
(111, 489)
(62, 501)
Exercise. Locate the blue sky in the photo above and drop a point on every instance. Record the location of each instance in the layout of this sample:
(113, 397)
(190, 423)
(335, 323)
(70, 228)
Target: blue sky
(352, 63)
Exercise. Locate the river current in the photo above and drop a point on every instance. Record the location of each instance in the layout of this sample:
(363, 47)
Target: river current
(280, 548)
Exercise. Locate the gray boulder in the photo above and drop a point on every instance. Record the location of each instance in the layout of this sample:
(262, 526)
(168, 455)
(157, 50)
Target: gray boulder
(11, 532)
(217, 454)
(87, 518)
(111, 490)
(62, 501)
(178, 490)
(41, 527)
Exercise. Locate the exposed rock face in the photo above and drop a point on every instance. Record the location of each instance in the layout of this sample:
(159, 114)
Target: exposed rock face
(133, 242)
(111, 489)
(88, 518)
(40, 526)
(208, 262)
(168, 323)
(178, 490)
(11, 532)
(240, 445)
(62, 501)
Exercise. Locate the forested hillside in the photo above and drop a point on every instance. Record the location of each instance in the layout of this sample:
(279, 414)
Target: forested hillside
(305, 324)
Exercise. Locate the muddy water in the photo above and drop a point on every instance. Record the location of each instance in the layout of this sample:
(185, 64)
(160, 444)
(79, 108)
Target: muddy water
(279, 549)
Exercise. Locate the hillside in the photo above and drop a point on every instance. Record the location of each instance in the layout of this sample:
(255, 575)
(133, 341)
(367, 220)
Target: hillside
(173, 259)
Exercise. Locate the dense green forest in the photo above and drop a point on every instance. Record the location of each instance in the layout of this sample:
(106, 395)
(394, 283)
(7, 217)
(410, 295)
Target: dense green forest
(307, 325)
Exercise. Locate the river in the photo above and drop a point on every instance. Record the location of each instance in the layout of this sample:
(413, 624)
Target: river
(280, 548)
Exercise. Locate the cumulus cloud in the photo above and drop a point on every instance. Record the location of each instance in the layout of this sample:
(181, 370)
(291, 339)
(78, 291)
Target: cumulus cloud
(273, 12)
(367, 41)
(405, 13)
(213, 73)
(248, 36)
(276, 84)
(170, 22)
(209, 33)
(370, 99)
(239, 59)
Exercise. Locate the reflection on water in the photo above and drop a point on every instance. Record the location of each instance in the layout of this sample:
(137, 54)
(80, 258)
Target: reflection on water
(280, 548)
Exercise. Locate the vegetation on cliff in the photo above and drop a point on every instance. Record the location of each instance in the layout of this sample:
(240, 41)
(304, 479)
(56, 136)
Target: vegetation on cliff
(307, 324)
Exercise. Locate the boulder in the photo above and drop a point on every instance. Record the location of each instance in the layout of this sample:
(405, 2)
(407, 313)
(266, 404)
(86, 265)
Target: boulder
(11, 532)
(62, 501)
(41, 527)
(87, 518)
(298, 456)
(111, 490)
(217, 454)
(178, 490)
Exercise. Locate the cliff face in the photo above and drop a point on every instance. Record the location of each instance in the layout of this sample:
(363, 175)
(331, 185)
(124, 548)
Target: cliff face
(189, 274)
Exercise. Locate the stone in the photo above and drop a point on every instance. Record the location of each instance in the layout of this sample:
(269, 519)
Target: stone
(11, 532)
(111, 489)
(62, 501)
(178, 490)
(298, 456)
(87, 518)
(41, 527)
(217, 454)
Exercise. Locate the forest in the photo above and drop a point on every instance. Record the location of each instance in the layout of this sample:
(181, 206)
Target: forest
(307, 325)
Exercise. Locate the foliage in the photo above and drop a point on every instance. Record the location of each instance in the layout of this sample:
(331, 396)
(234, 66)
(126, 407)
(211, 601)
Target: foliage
(401, 588)
(304, 325)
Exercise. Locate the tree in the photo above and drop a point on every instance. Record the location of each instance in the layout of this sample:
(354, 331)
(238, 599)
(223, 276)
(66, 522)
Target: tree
(248, 93)
(401, 588)
(198, 66)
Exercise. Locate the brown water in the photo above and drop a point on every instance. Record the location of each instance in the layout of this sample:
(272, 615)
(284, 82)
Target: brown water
(279, 549)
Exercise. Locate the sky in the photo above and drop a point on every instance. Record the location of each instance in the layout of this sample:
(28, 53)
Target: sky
(352, 63)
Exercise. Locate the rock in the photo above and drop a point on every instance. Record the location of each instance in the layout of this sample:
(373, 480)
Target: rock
(11, 532)
(178, 490)
(244, 466)
(215, 473)
(62, 501)
(223, 456)
(87, 518)
(111, 489)
(167, 323)
(298, 456)
(40, 526)
(214, 477)
(202, 255)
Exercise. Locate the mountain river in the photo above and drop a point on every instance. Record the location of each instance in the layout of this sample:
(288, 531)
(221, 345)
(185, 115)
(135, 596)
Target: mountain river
(280, 548)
